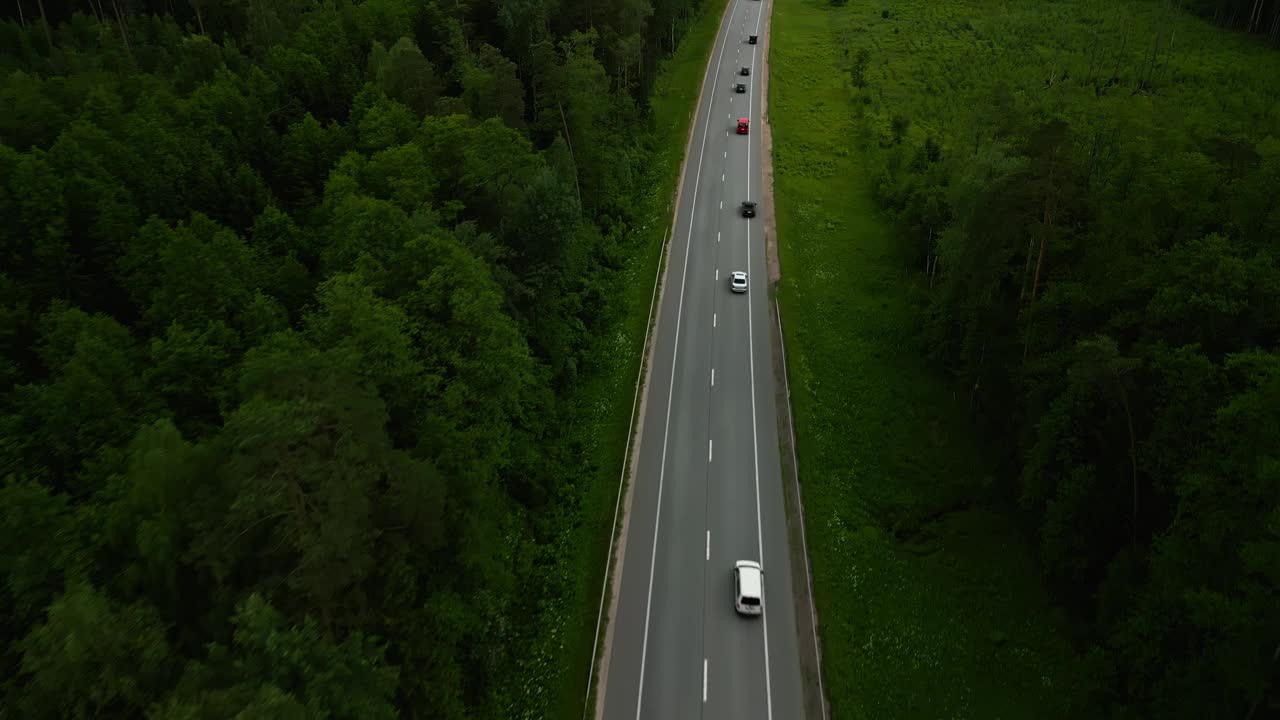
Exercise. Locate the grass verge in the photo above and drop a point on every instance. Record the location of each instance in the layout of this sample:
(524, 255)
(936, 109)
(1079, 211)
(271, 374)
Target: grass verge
(561, 659)
(929, 603)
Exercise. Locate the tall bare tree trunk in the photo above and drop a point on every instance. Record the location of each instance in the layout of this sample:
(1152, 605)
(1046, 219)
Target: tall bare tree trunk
(1047, 225)
(21, 20)
(199, 16)
(1148, 72)
(565, 124)
(1124, 43)
(931, 260)
(124, 28)
(1093, 157)
(1035, 282)
(48, 34)
(1093, 54)
(1026, 269)
(973, 392)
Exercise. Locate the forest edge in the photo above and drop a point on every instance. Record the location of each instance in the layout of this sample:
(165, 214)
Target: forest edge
(612, 576)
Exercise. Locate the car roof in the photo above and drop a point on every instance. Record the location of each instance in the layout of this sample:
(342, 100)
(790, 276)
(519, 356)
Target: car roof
(749, 578)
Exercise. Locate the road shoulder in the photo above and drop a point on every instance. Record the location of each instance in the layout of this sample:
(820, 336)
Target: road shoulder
(815, 700)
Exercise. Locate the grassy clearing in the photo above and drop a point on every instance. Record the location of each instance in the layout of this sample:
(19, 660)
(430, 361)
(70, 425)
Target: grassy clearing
(604, 401)
(929, 607)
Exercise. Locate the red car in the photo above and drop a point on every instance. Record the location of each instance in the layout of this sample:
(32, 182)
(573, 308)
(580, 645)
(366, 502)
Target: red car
(743, 126)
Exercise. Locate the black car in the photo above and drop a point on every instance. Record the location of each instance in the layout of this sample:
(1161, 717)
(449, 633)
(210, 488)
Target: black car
(746, 71)
(751, 40)
(740, 88)
(748, 209)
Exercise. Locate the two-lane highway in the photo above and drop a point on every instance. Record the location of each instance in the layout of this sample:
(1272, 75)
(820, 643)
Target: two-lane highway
(708, 490)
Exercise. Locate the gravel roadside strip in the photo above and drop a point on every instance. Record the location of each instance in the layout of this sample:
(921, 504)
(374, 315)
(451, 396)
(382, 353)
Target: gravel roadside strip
(815, 700)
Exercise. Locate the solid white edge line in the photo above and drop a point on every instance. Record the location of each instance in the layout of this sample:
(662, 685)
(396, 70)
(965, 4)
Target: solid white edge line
(684, 275)
(795, 464)
(617, 503)
(804, 545)
(755, 440)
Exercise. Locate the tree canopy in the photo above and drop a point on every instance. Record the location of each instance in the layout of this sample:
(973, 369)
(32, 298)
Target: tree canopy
(1094, 210)
(294, 297)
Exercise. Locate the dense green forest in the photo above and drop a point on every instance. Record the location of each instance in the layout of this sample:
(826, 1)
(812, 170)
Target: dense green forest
(1091, 194)
(294, 299)
(1254, 16)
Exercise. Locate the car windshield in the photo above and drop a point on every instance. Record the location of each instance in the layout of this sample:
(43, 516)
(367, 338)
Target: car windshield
(750, 601)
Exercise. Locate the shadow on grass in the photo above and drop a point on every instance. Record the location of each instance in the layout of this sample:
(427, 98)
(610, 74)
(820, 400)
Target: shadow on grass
(930, 604)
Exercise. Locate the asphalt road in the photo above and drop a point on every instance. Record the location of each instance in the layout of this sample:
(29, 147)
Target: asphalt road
(708, 486)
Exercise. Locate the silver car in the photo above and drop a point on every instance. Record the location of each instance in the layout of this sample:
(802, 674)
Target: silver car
(738, 281)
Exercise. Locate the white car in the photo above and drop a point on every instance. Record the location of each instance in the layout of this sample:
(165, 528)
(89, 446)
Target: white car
(738, 281)
(748, 587)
